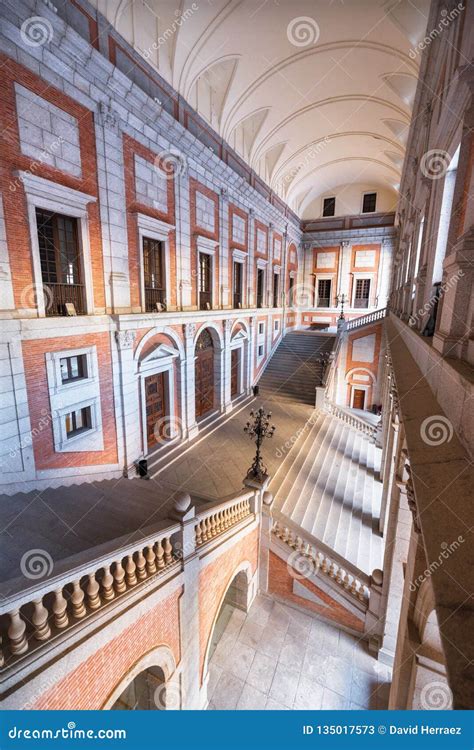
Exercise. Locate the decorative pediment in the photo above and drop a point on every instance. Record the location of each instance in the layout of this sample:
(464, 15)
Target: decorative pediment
(162, 355)
(239, 336)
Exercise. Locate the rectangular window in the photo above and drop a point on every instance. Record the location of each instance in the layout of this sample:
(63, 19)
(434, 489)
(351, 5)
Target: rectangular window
(73, 368)
(362, 293)
(61, 270)
(260, 286)
(291, 285)
(205, 281)
(260, 328)
(369, 203)
(260, 350)
(276, 325)
(324, 293)
(276, 285)
(237, 286)
(329, 206)
(78, 421)
(153, 274)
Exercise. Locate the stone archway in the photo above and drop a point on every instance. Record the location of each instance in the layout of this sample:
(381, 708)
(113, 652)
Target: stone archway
(146, 692)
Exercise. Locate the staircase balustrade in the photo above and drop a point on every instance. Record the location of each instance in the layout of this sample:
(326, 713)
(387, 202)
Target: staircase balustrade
(345, 575)
(351, 419)
(216, 521)
(364, 320)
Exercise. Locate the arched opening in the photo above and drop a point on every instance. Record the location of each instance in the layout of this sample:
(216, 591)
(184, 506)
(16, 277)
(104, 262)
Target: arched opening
(146, 692)
(236, 598)
(205, 374)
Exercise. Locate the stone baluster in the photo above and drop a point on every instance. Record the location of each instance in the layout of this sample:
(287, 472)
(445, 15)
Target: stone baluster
(168, 550)
(119, 577)
(198, 532)
(141, 565)
(77, 601)
(108, 592)
(160, 555)
(325, 565)
(17, 633)
(92, 591)
(40, 621)
(61, 619)
(130, 571)
(212, 525)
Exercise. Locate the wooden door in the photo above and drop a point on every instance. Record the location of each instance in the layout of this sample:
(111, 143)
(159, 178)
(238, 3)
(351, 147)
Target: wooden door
(204, 382)
(359, 399)
(155, 408)
(234, 373)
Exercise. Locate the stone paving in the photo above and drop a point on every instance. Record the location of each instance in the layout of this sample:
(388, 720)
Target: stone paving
(276, 657)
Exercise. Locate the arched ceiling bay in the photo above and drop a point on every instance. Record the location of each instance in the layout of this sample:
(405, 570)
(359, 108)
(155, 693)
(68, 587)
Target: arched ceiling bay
(313, 94)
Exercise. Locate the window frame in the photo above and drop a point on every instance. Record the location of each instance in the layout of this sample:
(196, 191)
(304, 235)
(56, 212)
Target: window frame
(364, 195)
(328, 198)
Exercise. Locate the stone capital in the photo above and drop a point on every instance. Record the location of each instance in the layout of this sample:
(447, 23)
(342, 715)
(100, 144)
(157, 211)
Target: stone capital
(125, 339)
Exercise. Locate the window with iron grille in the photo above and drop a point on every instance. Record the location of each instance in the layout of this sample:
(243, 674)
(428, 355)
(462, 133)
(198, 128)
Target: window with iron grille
(153, 273)
(60, 261)
(329, 206)
(369, 203)
(260, 286)
(276, 279)
(205, 281)
(362, 293)
(237, 290)
(78, 421)
(324, 293)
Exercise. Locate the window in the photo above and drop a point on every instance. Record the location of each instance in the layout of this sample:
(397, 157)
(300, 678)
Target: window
(73, 368)
(329, 206)
(260, 328)
(78, 421)
(153, 274)
(369, 203)
(260, 286)
(276, 279)
(291, 285)
(260, 350)
(61, 271)
(276, 325)
(362, 292)
(237, 290)
(324, 293)
(205, 281)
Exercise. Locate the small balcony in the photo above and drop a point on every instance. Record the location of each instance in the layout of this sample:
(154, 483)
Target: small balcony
(205, 300)
(324, 302)
(361, 303)
(58, 296)
(237, 300)
(154, 297)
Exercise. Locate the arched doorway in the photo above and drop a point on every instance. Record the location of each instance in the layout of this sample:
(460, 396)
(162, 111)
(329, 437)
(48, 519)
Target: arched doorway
(204, 374)
(146, 692)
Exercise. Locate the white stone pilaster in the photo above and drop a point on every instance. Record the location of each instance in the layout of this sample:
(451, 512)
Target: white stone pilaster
(189, 414)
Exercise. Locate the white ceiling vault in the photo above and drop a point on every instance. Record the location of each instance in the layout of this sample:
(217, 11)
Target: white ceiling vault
(315, 95)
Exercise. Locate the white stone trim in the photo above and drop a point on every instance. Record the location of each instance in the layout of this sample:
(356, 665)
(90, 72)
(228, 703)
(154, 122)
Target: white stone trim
(160, 360)
(155, 230)
(41, 193)
(359, 387)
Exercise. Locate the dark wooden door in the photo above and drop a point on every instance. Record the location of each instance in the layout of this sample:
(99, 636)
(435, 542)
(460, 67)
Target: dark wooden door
(234, 373)
(204, 382)
(359, 399)
(155, 408)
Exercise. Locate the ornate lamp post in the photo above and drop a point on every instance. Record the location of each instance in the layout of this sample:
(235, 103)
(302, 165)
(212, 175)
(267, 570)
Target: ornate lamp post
(259, 429)
(342, 300)
(324, 360)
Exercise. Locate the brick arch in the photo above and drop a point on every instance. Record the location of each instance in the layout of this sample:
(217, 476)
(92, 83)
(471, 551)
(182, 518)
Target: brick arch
(161, 657)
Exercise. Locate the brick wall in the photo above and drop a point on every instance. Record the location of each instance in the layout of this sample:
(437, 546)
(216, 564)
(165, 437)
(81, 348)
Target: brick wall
(89, 685)
(202, 226)
(214, 581)
(362, 362)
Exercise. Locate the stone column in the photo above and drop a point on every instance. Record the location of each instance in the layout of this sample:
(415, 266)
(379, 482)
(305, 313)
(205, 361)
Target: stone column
(189, 412)
(251, 301)
(225, 300)
(184, 272)
(391, 461)
(129, 408)
(251, 353)
(227, 362)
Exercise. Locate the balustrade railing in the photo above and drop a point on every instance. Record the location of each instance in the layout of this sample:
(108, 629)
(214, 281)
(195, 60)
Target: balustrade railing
(351, 419)
(32, 617)
(216, 520)
(365, 319)
(317, 560)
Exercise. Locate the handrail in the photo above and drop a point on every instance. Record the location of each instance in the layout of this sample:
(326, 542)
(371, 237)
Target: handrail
(317, 557)
(351, 419)
(214, 520)
(363, 320)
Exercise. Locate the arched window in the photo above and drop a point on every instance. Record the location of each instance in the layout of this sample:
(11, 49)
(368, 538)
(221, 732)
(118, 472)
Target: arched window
(146, 692)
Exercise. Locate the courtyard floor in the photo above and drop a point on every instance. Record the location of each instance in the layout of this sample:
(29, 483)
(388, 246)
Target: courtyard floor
(276, 657)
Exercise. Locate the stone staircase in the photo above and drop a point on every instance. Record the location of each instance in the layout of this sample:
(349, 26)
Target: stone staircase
(330, 489)
(294, 370)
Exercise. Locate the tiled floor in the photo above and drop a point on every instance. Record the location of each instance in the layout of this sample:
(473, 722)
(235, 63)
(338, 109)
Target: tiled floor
(276, 657)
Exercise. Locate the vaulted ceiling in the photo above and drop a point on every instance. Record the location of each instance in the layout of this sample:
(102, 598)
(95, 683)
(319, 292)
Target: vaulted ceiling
(315, 95)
